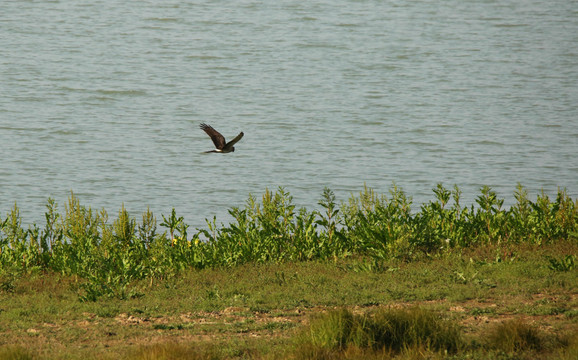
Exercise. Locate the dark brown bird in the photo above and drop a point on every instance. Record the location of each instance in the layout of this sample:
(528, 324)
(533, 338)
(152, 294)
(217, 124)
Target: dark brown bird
(219, 140)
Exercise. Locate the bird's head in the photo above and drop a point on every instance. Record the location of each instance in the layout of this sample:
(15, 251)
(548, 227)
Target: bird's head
(233, 149)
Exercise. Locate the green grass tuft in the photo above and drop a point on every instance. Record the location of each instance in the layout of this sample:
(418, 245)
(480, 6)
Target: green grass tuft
(15, 353)
(514, 336)
(385, 331)
(170, 351)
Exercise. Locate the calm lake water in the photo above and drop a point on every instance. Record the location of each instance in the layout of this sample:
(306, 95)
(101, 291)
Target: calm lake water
(104, 98)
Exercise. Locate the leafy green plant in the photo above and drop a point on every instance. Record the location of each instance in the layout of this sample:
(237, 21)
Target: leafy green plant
(330, 219)
(12, 229)
(378, 226)
(81, 224)
(7, 282)
(148, 228)
(173, 223)
(435, 225)
(124, 228)
(491, 217)
(566, 263)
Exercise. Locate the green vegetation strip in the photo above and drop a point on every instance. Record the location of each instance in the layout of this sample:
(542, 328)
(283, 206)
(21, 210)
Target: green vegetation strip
(369, 278)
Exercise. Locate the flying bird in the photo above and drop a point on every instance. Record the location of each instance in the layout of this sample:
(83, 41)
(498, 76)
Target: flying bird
(219, 140)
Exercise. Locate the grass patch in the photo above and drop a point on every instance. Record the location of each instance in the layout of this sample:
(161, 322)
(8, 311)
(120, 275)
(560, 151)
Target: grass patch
(515, 336)
(261, 310)
(385, 330)
(15, 353)
(171, 351)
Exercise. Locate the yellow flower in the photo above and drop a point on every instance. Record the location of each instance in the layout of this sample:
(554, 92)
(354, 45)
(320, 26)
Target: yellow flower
(176, 239)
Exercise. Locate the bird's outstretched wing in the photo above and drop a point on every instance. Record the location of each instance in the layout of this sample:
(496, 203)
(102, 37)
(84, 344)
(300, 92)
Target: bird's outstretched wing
(234, 141)
(218, 139)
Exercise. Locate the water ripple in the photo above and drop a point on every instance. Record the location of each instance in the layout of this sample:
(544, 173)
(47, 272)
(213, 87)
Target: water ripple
(104, 98)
